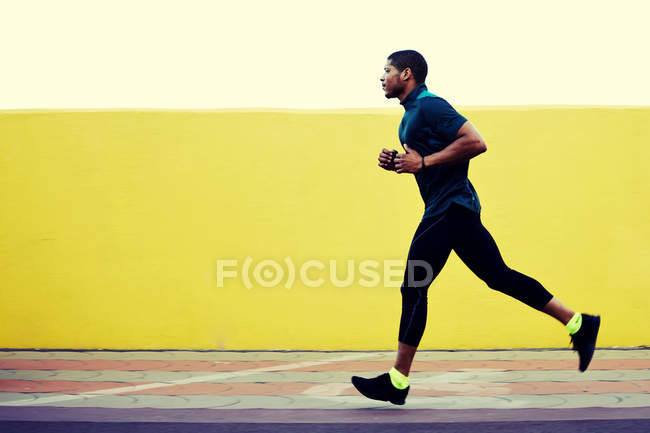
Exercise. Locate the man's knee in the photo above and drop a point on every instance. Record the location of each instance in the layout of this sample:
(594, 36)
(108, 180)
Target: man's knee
(499, 279)
(412, 294)
(519, 286)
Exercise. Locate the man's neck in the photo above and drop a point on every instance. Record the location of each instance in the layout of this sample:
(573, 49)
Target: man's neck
(408, 89)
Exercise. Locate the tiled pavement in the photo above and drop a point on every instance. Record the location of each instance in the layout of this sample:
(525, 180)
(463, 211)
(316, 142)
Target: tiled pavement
(270, 386)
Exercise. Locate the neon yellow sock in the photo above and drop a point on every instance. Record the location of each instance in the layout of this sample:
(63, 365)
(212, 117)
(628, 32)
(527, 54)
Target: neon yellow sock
(398, 380)
(574, 324)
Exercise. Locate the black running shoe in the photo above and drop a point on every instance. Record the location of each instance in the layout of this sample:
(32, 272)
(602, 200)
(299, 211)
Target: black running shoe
(584, 341)
(380, 388)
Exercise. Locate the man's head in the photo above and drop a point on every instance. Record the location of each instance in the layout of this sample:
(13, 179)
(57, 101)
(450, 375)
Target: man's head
(403, 71)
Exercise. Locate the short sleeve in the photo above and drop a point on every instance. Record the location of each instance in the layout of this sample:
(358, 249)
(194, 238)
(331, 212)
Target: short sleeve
(443, 118)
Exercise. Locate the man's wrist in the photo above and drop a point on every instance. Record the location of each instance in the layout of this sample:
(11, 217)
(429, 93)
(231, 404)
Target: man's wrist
(429, 160)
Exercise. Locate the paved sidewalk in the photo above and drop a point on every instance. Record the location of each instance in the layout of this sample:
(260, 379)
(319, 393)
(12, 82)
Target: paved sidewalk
(238, 388)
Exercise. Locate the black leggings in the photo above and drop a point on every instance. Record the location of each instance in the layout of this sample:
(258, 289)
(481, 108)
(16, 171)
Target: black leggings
(457, 229)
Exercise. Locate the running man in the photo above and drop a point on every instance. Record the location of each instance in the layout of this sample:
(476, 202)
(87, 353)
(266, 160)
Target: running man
(438, 144)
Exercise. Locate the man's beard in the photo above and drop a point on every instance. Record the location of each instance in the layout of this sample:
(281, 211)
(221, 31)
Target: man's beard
(392, 94)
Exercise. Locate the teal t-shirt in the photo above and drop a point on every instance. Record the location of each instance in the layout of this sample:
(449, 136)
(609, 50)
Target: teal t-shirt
(429, 125)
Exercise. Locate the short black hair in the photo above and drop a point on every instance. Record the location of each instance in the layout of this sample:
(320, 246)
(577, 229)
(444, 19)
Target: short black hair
(410, 59)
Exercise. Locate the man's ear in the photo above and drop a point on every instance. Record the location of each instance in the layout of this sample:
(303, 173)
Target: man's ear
(405, 74)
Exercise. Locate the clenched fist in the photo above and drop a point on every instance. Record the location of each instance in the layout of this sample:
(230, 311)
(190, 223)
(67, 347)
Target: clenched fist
(387, 159)
(409, 162)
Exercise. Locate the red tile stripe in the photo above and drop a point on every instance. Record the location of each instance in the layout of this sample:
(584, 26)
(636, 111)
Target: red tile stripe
(66, 364)
(329, 389)
(59, 386)
(424, 366)
(348, 366)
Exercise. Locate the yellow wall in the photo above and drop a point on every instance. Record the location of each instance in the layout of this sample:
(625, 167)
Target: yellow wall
(112, 222)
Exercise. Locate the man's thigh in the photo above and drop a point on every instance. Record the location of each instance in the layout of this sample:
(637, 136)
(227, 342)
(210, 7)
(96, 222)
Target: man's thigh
(474, 245)
(429, 251)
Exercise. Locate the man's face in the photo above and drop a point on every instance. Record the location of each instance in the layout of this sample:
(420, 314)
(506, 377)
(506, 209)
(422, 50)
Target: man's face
(391, 82)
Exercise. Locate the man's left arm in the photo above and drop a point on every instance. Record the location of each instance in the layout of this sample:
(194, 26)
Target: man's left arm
(467, 144)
